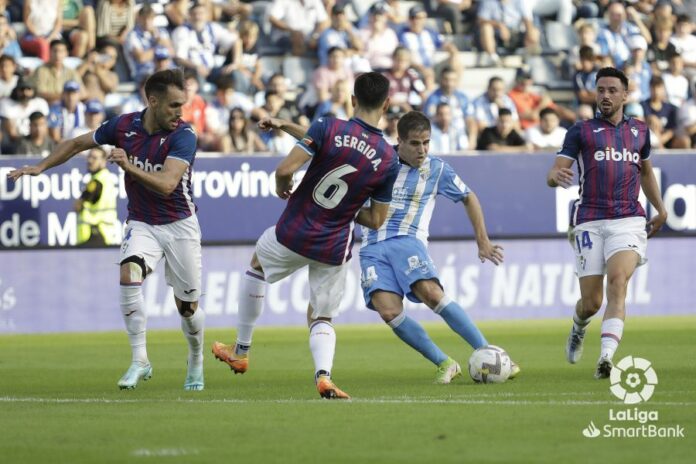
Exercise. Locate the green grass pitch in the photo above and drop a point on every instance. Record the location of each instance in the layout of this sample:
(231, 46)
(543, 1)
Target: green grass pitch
(59, 402)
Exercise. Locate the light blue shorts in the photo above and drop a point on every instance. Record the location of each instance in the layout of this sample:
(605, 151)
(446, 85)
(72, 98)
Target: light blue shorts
(394, 265)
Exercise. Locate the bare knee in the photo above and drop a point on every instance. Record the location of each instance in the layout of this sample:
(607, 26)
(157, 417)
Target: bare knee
(616, 284)
(429, 292)
(389, 314)
(591, 303)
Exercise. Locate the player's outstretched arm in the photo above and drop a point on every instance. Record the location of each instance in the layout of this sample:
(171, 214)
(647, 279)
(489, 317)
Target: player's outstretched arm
(163, 182)
(287, 168)
(652, 192)
(560, 174)
(63, 152)
(374, 215)
(486, 249)
(296, 130)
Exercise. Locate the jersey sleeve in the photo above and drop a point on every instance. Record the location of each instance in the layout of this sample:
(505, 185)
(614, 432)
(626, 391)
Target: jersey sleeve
(183, 147)
(106, 133)
(645, 151)
(571, 143)
(451, 186)
(383, 194)
(311, 142)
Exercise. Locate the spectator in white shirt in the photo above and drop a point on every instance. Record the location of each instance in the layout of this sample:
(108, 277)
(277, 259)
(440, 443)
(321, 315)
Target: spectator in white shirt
(548, 135)
(297, 23)
(197, 42)
(445, 138)
(378, 39)
(685, 43)
(676, 83)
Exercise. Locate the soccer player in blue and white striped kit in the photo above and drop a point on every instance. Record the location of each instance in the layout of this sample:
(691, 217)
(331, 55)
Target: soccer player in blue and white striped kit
(394, 258)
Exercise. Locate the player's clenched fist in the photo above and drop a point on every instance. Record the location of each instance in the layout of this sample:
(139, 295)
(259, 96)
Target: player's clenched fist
(24, 171)
(119, 157)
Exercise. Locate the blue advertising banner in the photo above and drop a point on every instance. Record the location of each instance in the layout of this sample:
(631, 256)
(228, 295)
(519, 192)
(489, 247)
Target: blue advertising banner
(236, 198)
(77, 290)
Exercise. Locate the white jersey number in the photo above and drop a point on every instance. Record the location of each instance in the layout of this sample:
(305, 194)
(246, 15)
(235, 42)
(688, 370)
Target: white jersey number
(331, 188)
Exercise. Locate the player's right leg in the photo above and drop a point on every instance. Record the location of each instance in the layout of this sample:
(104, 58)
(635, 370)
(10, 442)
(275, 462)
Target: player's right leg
(588, 245)
(250, 304)
(272, 261)
(140, 253)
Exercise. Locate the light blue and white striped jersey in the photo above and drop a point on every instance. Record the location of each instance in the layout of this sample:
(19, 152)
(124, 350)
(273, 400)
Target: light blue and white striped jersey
(413, 200)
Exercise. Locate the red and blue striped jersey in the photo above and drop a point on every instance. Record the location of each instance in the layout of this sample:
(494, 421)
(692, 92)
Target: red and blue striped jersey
(609, 163)
(351, 163)
(149, 152)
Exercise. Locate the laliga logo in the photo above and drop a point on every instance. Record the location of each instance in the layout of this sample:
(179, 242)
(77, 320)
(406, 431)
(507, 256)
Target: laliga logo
(609, 154)
(146, 166)
(633, 380)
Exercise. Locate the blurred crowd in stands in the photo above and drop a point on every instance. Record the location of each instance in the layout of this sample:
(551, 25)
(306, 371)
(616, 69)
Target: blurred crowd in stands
(502, 75)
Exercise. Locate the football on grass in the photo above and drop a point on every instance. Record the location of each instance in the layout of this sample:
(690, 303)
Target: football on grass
(489, 364)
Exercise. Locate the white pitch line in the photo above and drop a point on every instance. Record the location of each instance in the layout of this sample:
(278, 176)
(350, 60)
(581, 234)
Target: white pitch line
(399, 400)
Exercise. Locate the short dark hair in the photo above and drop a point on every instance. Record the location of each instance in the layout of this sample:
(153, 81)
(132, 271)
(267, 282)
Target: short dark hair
(5, 57)
(159, 82)
(495, 79)
(546, 111)
(586, 53)
(371, 89)
(445, 70)
(55, 42)
(36, 115)
(224, 83)
(335, 49)
(412, 121)
(146, 10)
(612, 72)
(504, 112)
(442, 105)
(656, 81)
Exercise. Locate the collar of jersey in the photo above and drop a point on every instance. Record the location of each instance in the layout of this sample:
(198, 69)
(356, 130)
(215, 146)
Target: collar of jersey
(367, 126)
(598, 115)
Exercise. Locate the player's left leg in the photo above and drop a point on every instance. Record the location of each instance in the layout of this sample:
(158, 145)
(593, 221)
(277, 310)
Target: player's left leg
(620, 268)
(326, 286)
(182, 254)
(625, 249)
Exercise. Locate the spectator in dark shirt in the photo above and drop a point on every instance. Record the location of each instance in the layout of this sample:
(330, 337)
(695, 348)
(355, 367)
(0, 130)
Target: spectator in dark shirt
(661, 49)
(658, 106)
(584, 80)
(502, 137)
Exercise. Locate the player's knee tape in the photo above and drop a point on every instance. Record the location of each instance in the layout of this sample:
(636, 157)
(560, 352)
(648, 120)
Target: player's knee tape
(186, 309)
(137, 267)
(441, 304)
(130, 296)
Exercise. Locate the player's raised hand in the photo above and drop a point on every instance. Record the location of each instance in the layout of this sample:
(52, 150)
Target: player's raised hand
(491, 252)
(118, 156)
(655, 224)
(24, 171)
(563, 177)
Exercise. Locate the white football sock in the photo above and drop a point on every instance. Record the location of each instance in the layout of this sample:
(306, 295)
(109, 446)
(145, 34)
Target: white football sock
(250, 304)
(612, 331)
(193, 331)
(322, 344)
(133, 311)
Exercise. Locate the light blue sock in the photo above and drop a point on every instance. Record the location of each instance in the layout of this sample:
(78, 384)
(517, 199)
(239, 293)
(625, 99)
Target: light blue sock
(415, 336)
(455, 317)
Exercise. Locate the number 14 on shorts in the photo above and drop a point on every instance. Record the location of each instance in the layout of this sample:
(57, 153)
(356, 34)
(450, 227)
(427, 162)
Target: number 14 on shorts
(584, 241)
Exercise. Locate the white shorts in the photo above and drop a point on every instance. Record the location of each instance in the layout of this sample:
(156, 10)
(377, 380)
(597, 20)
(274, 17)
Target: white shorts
(326, 281)
(179, 243)
(597, 241)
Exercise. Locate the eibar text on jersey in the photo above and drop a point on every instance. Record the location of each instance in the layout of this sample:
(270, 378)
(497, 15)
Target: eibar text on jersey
(361, 146)
(609, 154)
(147, 166)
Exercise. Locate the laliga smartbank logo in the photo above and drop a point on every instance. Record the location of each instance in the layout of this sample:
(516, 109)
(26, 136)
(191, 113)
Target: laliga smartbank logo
(633, 381)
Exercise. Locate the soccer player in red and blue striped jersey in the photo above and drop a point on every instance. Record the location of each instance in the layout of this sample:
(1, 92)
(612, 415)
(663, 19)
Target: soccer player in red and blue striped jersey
(350, 163)
(156, 150)
(610, 230)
